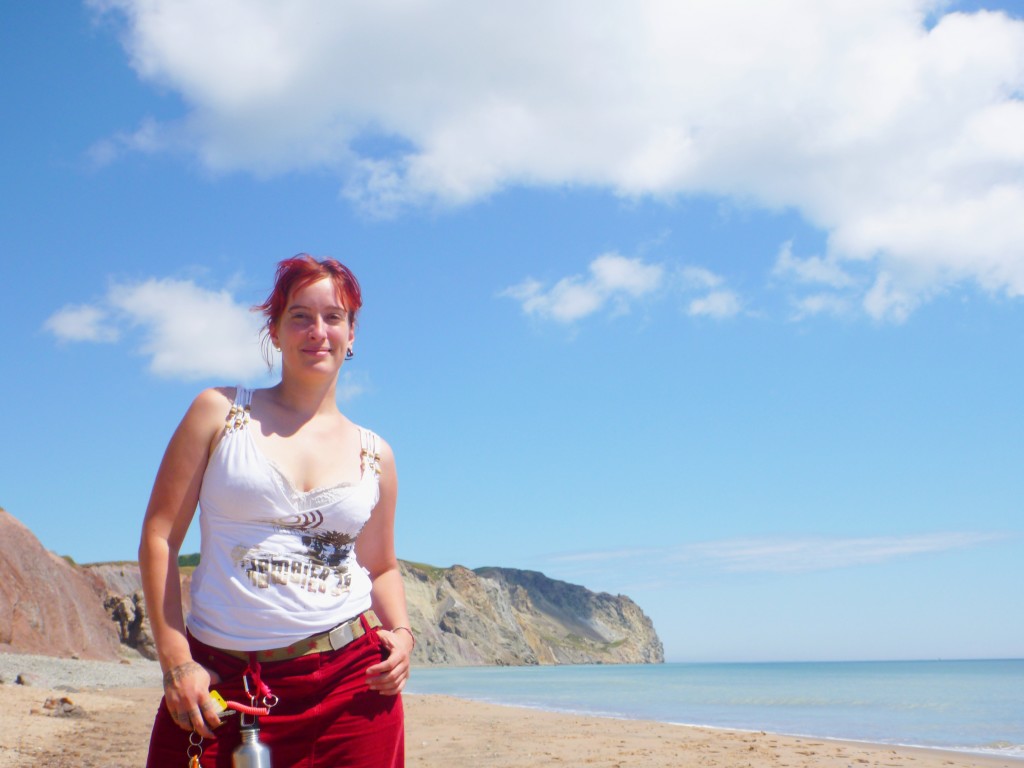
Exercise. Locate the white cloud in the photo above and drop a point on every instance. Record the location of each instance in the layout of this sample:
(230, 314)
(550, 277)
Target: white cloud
(716, 301)
(697, 278)
(899, 138)
(820, 554)
(888, 301)
(187, 332)
(149, 137)
(820, 304)
(350, 386)
(777, 555)
(815, 272)
(190, 332)
(81, 323)
(717, 304)
(604, 556)
(614, 273)
(813, 269)
(613, 279)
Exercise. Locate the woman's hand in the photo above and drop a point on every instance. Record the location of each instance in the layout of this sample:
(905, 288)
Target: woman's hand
(388, 677)
(187, 695)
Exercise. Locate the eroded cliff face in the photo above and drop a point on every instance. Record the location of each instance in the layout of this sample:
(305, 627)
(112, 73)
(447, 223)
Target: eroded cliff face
(47, 605)
(489, 616)
(509, 617)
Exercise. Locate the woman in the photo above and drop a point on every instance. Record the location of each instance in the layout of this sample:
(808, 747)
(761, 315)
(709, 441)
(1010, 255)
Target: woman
(297, 602)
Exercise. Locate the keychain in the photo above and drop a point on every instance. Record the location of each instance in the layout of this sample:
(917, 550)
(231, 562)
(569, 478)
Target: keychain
(250, 753)
(195, 750)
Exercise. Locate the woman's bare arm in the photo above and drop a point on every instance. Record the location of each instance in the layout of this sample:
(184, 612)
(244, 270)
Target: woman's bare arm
(172, 505)
(375, 549)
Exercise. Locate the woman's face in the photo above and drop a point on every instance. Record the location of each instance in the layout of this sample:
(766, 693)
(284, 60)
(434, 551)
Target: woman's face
(314, 330)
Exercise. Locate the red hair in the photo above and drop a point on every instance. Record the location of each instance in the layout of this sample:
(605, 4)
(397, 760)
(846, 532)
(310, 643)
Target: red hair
(296, 273)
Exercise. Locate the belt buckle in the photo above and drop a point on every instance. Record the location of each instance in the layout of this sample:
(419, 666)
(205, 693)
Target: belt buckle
(341, 636)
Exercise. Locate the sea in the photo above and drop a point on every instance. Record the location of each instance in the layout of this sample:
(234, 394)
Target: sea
(967, 706)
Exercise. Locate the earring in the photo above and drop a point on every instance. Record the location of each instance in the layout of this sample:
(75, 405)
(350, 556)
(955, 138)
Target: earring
(349, 354)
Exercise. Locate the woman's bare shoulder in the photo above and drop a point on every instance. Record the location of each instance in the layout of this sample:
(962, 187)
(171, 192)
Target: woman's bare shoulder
(204, 421)
(209, 409)
(214, 400)
(384, 447)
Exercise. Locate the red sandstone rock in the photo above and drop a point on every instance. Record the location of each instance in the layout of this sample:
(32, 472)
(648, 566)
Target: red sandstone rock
(47, 606)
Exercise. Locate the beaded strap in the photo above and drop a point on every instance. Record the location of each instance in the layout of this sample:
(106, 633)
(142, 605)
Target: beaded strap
(238, 416)
(369, 456)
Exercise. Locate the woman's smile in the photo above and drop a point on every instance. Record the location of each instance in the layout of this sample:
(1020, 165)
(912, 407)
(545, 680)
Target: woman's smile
(315, 325)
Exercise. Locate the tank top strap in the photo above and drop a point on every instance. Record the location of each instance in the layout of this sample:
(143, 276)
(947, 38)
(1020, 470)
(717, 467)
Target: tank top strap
(238, 416)
(369, 458)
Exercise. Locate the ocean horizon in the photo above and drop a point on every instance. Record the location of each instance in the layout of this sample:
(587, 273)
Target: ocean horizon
(974, 706)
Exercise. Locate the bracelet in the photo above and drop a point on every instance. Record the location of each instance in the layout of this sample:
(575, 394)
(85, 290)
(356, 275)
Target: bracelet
(396, 629)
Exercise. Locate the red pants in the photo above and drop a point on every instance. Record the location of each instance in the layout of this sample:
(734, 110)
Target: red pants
(326, 716)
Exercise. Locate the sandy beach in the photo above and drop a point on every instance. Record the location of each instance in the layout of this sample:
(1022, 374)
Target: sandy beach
(443, 732)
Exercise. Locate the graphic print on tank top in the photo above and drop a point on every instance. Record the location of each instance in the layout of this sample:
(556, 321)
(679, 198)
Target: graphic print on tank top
(322, 565)
(301, 555)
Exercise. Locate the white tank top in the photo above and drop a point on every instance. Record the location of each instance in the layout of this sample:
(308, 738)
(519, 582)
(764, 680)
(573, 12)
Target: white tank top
(276, 564)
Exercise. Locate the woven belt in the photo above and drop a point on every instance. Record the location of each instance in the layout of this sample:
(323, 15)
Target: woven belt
(331, 640)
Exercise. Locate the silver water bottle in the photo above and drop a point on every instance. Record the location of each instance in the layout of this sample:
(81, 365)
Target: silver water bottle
(251, 753)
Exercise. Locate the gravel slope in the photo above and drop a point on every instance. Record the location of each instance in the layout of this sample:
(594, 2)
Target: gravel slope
(76, 674)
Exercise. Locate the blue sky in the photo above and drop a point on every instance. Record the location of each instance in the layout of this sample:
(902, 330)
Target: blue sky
(719, 308)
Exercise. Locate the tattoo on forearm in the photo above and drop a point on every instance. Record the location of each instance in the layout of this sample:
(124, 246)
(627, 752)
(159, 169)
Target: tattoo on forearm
(174, 674)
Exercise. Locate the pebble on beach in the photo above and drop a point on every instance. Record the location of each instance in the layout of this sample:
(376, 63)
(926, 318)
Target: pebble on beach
(63, 707)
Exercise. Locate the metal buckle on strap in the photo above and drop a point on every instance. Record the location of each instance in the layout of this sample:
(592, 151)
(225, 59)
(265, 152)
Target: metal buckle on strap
(344, 634)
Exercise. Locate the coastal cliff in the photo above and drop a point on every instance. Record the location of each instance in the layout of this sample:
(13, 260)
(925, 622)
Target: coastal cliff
(47, 605)
(487, 616)
(508, 617)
